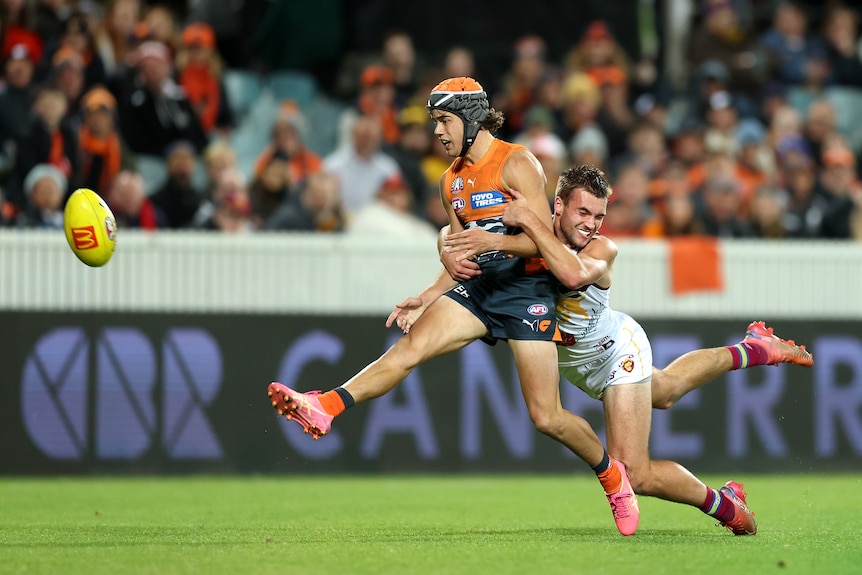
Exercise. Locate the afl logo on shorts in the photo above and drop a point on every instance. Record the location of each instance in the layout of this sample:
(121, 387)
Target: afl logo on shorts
(457, 185)
(627, 365)
(537, 309)
(458, 204)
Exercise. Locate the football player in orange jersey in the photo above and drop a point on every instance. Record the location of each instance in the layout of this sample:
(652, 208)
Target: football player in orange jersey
(514, 299)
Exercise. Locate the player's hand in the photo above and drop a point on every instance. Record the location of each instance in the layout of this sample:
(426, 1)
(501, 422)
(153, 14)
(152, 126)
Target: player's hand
(468, 244)
(517, 211)
(459, 271)
(406, 313)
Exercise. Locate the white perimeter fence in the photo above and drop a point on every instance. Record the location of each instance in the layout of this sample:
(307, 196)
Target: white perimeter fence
(333, 275)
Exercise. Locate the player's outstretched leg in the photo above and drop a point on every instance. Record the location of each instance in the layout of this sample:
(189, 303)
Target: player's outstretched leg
(743, 522)
(777, 350)
(624, 503)
(303, 408)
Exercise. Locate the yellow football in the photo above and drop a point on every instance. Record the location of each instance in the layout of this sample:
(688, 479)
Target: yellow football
(91, 229)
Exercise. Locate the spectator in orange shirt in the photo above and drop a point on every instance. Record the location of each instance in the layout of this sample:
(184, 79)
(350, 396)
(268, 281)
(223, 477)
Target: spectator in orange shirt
(598, 54)
(200, 67)
(288, 139)
(102, 152)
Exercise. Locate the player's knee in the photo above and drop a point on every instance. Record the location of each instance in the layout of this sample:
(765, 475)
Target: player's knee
(408, 352)
(547, 421)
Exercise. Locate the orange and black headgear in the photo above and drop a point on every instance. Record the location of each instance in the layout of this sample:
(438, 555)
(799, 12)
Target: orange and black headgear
(465, 98)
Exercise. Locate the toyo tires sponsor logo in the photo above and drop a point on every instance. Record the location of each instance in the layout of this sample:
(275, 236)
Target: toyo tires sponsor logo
(487, 199)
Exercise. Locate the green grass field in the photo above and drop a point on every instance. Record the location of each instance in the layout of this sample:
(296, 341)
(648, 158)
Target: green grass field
(412, 525)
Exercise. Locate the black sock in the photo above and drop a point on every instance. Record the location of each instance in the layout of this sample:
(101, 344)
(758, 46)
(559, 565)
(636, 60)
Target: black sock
(604, 464)
(345, 397)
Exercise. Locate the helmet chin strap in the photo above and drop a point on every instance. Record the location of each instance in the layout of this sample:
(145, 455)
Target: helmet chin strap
(471, 130)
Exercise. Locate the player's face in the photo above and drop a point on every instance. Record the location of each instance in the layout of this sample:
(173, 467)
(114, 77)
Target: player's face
(577, 221)
(449, 129)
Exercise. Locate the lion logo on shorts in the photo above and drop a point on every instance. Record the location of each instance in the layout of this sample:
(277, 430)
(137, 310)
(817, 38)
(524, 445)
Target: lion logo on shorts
(628, 365)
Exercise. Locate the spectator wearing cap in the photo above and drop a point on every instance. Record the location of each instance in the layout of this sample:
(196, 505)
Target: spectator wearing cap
(792, 151)
(48, 140)
(67, 74)
(755, 166)
(615, 117)
(131, 206)
(376, 99)
(520, 83)
(178, 197)
(287, 140)
(153, 109)
(45, 188)
(599, 54)
(103, 153)
(361, 166)
(391, 214)
(200, 68)
(840, 185)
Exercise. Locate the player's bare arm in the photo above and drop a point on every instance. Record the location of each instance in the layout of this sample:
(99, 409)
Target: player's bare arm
(592, 264)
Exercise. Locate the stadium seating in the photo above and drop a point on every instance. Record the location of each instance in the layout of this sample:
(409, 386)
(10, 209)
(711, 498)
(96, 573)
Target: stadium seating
(243, 89)
(152, 170)
(289, 85)
(847, 102)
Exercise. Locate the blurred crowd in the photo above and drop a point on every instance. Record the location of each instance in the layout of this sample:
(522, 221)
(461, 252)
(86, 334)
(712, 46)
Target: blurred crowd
(761, 138)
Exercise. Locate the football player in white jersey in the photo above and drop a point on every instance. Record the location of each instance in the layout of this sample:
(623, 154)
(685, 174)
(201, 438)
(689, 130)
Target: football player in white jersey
(607, 354)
